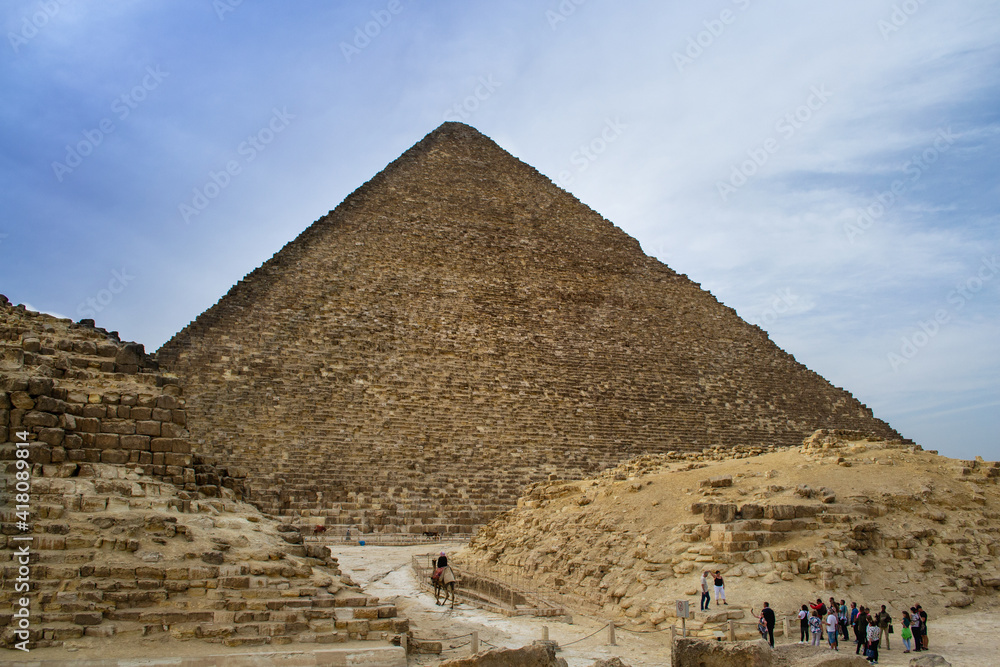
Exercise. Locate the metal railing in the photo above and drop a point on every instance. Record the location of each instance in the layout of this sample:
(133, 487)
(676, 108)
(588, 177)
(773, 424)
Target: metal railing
(380, 539)
(487, 591)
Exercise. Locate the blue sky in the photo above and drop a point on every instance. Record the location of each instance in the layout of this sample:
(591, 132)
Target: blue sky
(829, 170)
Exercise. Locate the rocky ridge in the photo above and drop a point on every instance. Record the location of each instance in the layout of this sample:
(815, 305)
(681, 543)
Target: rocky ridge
(870, 521)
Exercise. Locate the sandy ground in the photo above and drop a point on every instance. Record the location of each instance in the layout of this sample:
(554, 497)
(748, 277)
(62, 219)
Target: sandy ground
(966, 640)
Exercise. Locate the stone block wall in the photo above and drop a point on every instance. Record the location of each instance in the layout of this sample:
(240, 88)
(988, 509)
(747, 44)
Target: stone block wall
(133, 535)
(66, 388)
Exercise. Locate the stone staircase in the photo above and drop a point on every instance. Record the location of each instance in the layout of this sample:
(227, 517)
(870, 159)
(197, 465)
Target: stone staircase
(116, 553)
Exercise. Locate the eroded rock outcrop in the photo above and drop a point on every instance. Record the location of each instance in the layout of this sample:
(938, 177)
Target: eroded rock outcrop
(906, 526)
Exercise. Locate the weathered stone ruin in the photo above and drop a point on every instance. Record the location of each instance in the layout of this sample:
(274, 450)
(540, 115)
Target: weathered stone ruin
(839, 515)
(460, 327)
(132, 535)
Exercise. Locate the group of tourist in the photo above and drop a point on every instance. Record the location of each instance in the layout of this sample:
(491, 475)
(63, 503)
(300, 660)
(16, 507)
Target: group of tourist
(871, 629)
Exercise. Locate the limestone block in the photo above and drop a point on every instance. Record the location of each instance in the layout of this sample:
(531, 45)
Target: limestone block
(130, 354)
(162, 444)
(168, 402)
(88, 618)
(135, 442)
(94, 410)
(171, 459)
(36, 418)
(21, 400)
(51, 436)
(53, 542)
(235, 582)
(365, 612)
(119, 426)
(114, 456)
(719, 513)
(106, 349)
(49, 404)
(79, 542)
(88, 424)
(106, 441)
(40, 386)
(150, 428)
(140, 413)
(93, 503)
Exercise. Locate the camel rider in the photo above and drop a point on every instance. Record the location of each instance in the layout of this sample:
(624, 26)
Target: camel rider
(440, 564)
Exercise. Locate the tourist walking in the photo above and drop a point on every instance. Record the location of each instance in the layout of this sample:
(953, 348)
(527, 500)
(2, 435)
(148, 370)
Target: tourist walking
(905, 633)
(842, 617)
(804, 625)
(706, 597)
(720, 588)
(814, 626)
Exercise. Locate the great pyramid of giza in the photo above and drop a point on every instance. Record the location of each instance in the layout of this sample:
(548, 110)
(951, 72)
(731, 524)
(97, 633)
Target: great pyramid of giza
(459, 327)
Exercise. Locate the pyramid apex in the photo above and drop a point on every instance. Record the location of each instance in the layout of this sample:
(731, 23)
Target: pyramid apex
(455, 132)
(456, 127)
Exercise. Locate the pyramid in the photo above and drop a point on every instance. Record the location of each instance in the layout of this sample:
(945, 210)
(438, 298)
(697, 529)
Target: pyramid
(459, 327)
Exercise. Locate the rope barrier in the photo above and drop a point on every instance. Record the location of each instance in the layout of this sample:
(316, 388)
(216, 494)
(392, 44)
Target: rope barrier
(455, 648)
(643, 632)
(441, 639)
(583, 638)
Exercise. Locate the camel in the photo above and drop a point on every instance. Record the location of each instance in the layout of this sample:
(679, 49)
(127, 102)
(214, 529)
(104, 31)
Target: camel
(445, 581)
